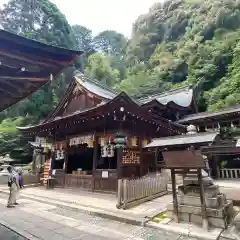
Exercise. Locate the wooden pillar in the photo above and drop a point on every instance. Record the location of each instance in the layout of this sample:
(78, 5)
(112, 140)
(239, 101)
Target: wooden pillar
(141, 154)
(95, 159)
(52, 154)
(202, 199)
(66, 155)
(214, 167)
(119, 160)
(174, 193)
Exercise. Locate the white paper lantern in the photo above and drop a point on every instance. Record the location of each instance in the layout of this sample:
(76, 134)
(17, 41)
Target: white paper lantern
(57, 155)
(110, 150)
(104, 151)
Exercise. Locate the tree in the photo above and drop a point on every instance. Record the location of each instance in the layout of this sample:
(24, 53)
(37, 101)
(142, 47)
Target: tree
(99, 67)
(84, 38)
(110, 42)
(40, 20)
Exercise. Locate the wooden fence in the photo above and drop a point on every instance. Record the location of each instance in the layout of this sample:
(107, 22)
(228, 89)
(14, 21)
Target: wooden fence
(132, 192)
(227, 173)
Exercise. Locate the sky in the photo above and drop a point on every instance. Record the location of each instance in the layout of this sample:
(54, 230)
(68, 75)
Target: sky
(99, 15)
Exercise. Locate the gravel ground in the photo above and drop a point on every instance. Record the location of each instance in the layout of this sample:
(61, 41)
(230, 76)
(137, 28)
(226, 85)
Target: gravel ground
(144, 233)
(95, 228)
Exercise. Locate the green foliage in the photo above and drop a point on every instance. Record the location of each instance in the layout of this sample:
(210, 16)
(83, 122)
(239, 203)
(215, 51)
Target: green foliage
(187, 42)
(175, 43)
(11, 140)
(99, 67)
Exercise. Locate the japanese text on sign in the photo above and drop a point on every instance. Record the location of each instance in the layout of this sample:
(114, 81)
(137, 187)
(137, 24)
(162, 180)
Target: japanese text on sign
(131, 157)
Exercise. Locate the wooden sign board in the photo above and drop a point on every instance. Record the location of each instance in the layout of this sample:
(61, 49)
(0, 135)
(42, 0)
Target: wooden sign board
(131, 157)
(184, 159)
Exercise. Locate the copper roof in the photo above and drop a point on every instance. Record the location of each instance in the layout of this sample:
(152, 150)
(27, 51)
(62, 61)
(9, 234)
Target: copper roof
(181, 96)
(182, 140)
(205, 115)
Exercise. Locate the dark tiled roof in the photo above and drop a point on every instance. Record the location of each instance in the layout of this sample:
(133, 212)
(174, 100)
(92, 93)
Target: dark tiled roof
(182, 140)
(205, 115)
(181, 96)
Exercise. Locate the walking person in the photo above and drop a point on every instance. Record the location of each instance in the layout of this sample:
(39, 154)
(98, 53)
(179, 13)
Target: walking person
(13, 187)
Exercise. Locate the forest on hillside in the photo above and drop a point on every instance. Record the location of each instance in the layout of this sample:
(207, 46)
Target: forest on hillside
(175, 43)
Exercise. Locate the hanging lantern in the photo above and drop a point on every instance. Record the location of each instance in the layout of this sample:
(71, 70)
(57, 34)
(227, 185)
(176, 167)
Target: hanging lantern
(104, 151)
(57, 155)
(90, 143)
(144, 142)
(110, 150)
(61, 154)
(101, 141)
(120, 140)
(134, 142)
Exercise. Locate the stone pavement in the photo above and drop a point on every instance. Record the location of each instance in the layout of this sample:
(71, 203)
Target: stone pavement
(7, 234)
(39, 221)
(103, 205)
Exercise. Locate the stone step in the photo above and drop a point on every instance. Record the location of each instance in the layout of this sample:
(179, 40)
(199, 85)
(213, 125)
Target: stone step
(197, 219)
(216, 217)
(215, 202)
(209, 191)
(211, 212)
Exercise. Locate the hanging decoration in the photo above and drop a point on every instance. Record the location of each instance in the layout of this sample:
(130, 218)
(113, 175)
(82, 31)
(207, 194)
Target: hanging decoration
(104, 151)
(134, 141)
(59, 150)
(69, 123)
(102, 141)
(120, 140)
(110, 150)
(145, 142)
(59, 154)
(107, 151)
(89, 139)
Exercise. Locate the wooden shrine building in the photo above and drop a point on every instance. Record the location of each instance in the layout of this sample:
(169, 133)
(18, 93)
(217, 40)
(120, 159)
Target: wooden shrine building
(224, 157)
(213, 121)
(98, 135)
(26, 65)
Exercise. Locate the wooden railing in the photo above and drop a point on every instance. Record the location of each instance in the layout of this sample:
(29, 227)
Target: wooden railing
(227, 173)
(132, 192)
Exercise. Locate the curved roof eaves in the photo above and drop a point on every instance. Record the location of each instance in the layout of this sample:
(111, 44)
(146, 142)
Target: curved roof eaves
(95, 87)
(182, 97)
